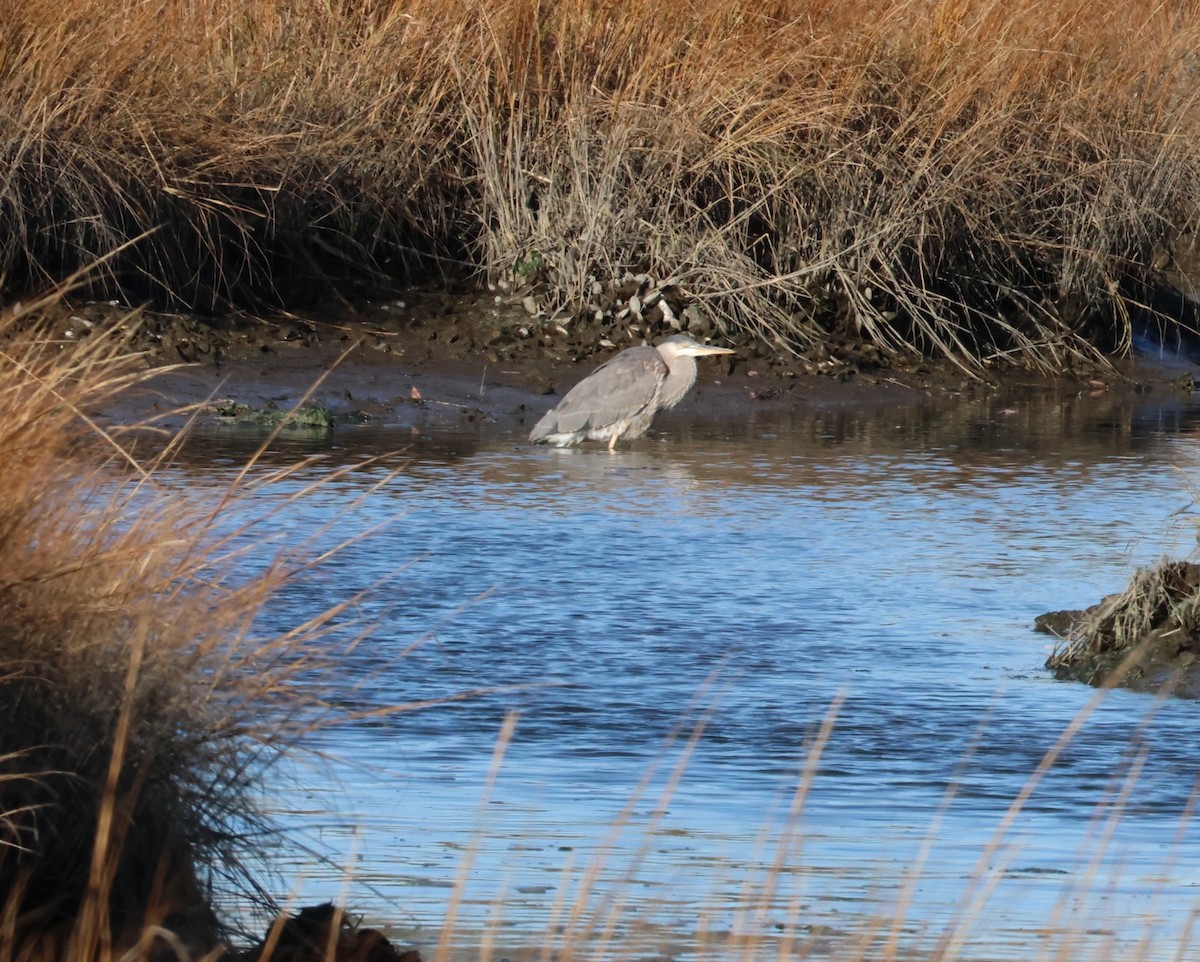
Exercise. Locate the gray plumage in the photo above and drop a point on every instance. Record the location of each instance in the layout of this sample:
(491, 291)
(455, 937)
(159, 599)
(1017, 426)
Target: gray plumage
(621, 397)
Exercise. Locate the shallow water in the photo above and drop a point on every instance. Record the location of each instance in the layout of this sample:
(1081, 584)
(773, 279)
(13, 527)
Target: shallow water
(750, 577)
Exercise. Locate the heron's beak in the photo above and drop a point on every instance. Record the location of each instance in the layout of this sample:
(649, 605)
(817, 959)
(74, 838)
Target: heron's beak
(704, 350)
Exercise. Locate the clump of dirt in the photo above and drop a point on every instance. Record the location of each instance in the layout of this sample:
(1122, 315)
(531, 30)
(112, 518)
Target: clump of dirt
(323, 933)
(1146, 637)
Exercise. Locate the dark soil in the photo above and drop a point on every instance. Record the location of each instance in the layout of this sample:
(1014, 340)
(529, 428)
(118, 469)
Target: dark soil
(425, 360)
(322, 933)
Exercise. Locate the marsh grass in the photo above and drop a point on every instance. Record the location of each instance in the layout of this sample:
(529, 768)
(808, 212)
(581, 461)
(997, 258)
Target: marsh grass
(997, 183)
(142, 704)
(1149, 628)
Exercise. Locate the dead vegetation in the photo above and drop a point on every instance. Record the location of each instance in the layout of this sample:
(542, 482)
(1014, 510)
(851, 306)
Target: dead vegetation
(997, 183)
(141, 705)
(1147, 635)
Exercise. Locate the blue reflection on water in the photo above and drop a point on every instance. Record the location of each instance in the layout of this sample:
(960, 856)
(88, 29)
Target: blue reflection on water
(749, 581)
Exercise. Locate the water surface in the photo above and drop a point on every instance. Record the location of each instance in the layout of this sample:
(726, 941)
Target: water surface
(748, 576)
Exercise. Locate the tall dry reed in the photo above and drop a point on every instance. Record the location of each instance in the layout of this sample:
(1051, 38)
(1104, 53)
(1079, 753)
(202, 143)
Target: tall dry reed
(141, 704)
(994, 182)
(613, 898)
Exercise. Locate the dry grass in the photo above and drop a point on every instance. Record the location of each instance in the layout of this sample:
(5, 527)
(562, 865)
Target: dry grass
(141, 707)
(786, 904)
(992, 182)
(1153, 622)
(959, 179)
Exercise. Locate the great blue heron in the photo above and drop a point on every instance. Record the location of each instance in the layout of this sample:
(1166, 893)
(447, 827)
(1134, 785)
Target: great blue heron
(621, 397)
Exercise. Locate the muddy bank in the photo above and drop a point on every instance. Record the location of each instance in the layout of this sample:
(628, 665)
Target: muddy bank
(436, 360)
(1146, 637)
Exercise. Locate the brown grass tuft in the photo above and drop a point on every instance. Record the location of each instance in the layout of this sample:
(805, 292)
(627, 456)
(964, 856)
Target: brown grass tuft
(1148, 633)
(140, 705)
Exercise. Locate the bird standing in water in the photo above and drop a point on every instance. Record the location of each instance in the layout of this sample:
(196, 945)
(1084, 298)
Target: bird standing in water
(621, 397)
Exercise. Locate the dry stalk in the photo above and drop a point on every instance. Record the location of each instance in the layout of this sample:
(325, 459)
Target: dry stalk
(995, 183)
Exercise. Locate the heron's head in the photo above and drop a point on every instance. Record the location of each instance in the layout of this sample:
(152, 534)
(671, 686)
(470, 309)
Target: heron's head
(684, 345)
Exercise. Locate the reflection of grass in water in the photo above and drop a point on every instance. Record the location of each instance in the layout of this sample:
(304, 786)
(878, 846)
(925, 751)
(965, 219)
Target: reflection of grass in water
(773, 914)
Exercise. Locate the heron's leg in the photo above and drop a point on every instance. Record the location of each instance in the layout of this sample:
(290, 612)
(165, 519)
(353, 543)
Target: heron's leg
(612, 441)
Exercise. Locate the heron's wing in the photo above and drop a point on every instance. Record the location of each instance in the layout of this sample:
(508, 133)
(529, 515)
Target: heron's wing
(617, 389)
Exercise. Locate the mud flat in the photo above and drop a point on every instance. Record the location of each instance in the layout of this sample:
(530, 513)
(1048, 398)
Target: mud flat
(442, 360)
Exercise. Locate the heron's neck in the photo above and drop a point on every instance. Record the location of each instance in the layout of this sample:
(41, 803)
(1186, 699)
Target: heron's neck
(681, 375)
